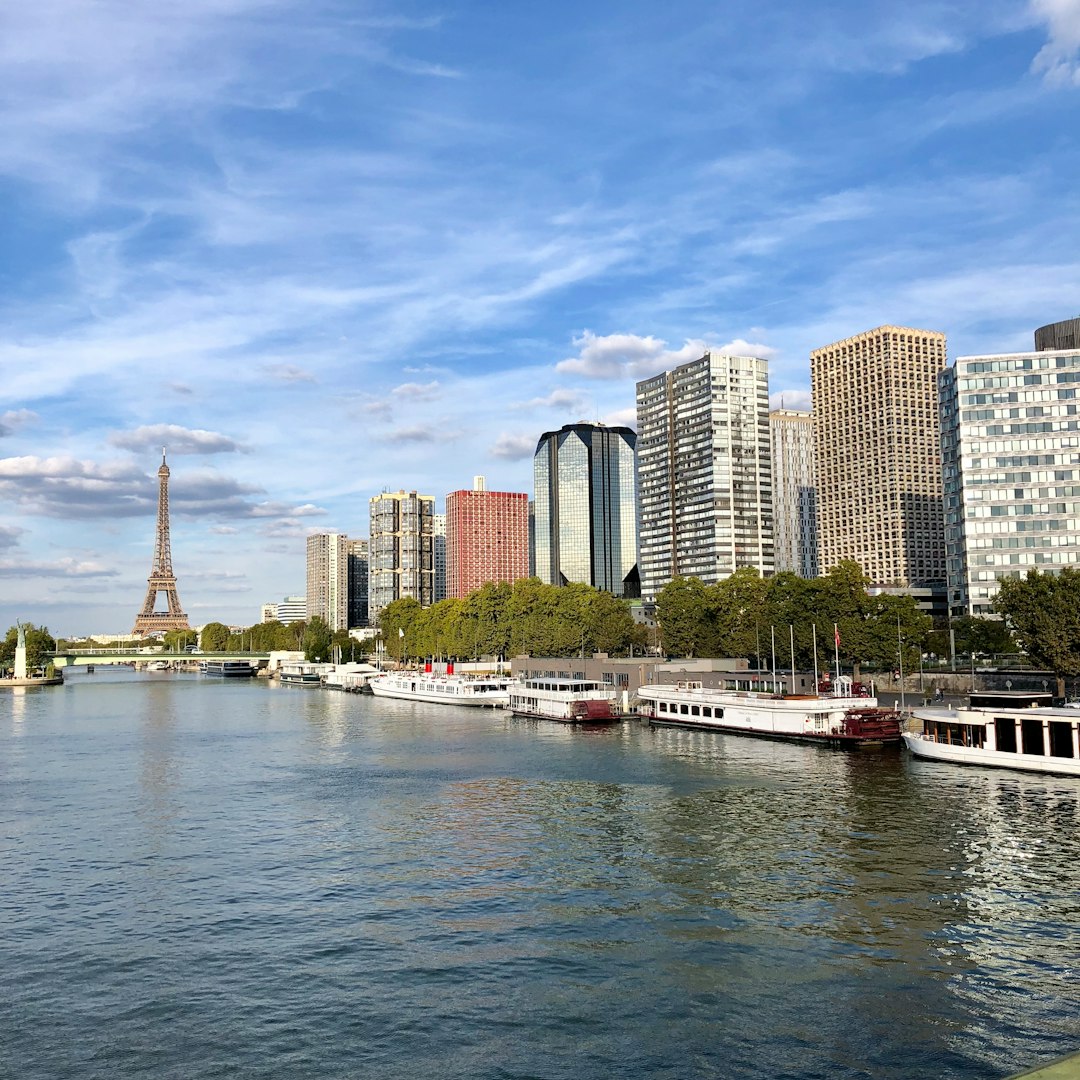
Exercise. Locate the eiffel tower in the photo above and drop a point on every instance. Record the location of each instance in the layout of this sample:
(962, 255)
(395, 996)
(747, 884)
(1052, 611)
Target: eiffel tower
(162, 578)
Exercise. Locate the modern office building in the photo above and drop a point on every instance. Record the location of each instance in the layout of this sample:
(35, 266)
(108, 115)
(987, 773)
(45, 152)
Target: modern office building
(357, 551)
(877, 451)
(791, 436)
(438, 555)
(1060, 335)
(704, 471)
(401, 550)
(289, 610)
(586, 508)
(328, 579)
(487, 538)
(1011, 454)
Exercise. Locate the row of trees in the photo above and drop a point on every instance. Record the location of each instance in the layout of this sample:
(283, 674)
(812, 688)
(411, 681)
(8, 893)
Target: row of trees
(504, 620)
(743, 615)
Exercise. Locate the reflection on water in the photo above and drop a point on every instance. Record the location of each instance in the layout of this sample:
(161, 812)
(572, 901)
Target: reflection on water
(246, 880)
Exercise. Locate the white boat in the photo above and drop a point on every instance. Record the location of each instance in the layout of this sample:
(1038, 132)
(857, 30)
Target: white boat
(837, 719)
(353, 678)
(299, 674)
(571, 701)
(1004, 736)
(492, 691)
(158, 665)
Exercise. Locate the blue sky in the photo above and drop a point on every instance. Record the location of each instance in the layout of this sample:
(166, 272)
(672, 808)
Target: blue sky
(324, 248)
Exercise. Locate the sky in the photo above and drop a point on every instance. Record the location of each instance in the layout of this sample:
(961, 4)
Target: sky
(324, 248)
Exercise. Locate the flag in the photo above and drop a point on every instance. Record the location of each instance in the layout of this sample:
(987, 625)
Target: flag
(836, 635)
(401, 632)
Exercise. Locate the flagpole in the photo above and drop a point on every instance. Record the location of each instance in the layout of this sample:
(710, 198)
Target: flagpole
(813, 628)
(900, 653)
(836, 640)
(773, 630)
(791, 639)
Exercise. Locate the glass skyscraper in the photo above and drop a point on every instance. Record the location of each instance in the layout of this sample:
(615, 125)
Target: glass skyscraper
(585, 508)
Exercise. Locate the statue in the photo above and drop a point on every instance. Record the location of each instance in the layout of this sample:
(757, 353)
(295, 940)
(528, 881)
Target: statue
(20, 651)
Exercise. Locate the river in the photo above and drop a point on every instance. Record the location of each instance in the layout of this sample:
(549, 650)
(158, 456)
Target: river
(211, 878)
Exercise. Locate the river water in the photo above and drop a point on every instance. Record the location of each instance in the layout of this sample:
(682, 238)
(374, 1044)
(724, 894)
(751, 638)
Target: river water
(204, 878)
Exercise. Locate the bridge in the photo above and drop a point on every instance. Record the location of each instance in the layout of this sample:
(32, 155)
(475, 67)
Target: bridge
(132, 656)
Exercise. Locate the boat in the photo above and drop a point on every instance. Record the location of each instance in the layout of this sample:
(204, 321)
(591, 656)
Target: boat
(492, 691)
(230, 669)
(838, 719)
(352, 678)
(1003, 731)
(570, 701)
(158, 665)
(301, 674)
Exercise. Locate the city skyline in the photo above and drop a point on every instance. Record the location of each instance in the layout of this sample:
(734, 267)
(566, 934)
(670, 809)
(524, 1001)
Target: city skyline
(318, 253)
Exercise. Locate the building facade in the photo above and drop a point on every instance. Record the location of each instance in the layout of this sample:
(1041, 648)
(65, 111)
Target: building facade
(401, 550)
(328, 579)
(877, 451)
(585, 508)
(289, 610)
(438, 556)
(357, 552)
(791, 436)
(704, 471)
(487, 538)
(1057, 336)
(1011, 454)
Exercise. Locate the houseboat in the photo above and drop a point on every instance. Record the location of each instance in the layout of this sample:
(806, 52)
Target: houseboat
(229, 669)
(840, 719)
(1004, 731)
(492, 691)
(296, 674)
(353, 678)
(570, 701)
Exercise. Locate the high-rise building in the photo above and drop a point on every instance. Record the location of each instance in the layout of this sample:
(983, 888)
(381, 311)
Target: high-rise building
(328, 579)
(1010, 437)
(401, 550)
(268, 613)
(793, 484)
(487, 538)
(1059, 335)
(438, 556)
(585, 507)
(358, 582)
(876, 444)
(289, 610)
(704, 471)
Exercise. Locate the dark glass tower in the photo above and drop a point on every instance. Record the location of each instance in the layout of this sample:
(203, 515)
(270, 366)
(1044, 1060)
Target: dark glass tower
(586, 508)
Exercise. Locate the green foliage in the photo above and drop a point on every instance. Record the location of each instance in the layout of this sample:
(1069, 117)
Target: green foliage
(1043, 611)
(982, 636)
(503, 620)
(40, 645)
(748, 616)
(317, 639)
(214, 638)
(175, 641)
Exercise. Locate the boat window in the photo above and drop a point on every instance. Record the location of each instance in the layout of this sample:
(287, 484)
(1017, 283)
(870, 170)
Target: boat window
(695, 710)
(1005, 734)
(661, 706)
(1031, 730)
(706, 710)
(1061, 740)
(684, 709)
(718, 713)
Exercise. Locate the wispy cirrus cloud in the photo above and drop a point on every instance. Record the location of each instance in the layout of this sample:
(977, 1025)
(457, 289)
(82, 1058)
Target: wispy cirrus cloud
(61, 568)
(15, 419)
(514, 447)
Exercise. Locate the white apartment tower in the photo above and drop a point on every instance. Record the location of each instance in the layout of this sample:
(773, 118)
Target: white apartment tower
(1010, 438)
(401, 550)
(328, 579)
(704, 471)
(876, 443)
(794, 480)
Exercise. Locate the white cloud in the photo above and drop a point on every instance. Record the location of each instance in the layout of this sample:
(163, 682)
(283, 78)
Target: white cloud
(569, 400)
(176, 440)
(418, 391)
(9, 536)
(514, 447)
(14, 419)
(628, 356)
(290, 373)
(62, 568)
(1059, 58)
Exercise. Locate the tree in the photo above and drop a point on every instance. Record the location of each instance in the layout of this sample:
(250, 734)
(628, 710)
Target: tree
(215, 637)
(317, 638)
(40, 645)
(396, 621)
(682, 610)
(975, 635)
(1043, 611)
(176, 641)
